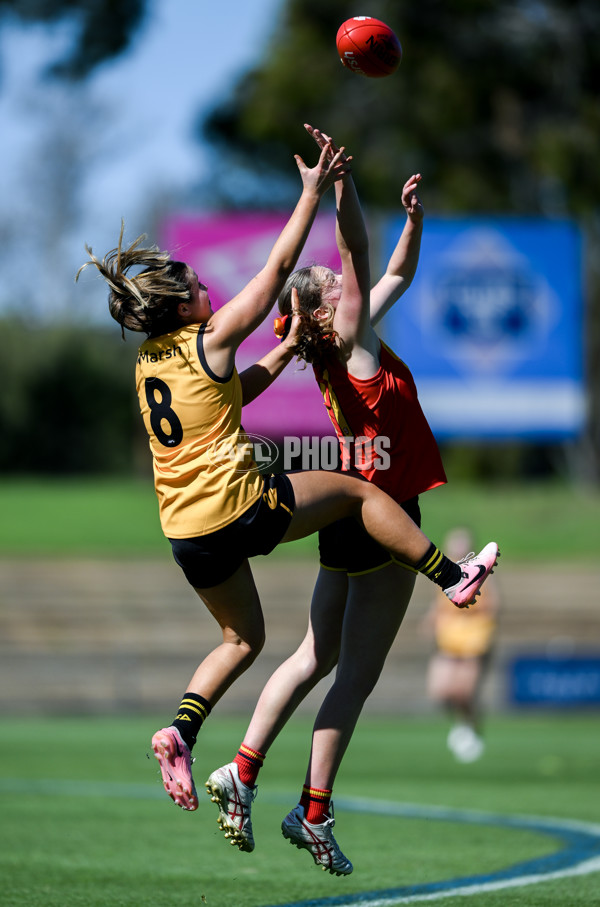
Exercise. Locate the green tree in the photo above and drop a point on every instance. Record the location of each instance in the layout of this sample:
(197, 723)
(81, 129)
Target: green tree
(67, 401)
(495, 101)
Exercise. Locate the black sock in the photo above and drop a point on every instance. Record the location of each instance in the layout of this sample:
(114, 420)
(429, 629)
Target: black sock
(439, 568)
(193, 711)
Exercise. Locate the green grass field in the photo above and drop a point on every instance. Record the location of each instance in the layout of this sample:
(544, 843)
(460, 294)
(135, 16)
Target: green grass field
(120, 518)
(85, 821)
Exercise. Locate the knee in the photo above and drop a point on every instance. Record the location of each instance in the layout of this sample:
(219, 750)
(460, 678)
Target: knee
(249, 646)
(315, 663)
(365, 686)
(361, 682)
(256, 644)
(316, 668)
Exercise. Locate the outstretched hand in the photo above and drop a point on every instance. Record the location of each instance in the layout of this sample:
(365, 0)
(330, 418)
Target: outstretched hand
(322, 140)
(331, 166)
(410, 199)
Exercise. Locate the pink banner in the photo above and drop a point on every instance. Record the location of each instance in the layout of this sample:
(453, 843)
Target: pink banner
(227, 251)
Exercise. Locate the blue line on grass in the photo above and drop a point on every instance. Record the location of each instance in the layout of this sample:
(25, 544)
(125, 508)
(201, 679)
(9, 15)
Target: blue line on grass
(580, 854)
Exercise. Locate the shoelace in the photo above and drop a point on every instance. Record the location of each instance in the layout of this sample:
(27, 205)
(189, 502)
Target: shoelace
(466, 558)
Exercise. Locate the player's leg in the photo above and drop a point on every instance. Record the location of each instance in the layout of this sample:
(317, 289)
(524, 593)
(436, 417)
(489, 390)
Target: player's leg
(322, 497)
(375, 608)
(440, 679)
(464, 739)
(313, 659)
(236, 607)
(233, 786)
(454, 683)
(464, 685)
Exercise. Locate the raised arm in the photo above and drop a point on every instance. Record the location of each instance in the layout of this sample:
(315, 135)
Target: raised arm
(352, 320)
(402, 265)
(238, 318)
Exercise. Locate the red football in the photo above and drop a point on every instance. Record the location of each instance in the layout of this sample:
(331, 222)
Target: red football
(368, 46)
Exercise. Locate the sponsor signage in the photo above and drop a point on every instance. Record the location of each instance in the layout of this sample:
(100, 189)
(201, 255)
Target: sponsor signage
(539, 680)
(492, 327)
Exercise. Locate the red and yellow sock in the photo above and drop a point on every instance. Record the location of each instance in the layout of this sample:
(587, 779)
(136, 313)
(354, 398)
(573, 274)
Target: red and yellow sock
(316, 804)
(249, 763)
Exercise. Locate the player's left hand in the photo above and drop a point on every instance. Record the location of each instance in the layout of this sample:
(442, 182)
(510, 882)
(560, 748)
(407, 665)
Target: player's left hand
(411, 201)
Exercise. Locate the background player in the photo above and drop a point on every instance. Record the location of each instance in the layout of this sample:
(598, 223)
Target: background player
(464, 643)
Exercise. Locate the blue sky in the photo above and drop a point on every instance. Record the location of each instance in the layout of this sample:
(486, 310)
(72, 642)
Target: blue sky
(185, 57)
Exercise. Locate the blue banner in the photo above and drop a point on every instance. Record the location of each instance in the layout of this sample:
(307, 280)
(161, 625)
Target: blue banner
(568, 682)
(492, 327)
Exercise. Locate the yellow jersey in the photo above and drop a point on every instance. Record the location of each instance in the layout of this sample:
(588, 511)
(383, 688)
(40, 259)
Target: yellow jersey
(204, 472)
(462, 632)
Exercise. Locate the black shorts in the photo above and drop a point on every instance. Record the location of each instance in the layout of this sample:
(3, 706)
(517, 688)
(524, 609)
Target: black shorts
(208, 560)
(346, 547)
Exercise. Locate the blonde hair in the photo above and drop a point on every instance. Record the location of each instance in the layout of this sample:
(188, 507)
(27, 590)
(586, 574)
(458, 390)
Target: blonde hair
(146, 301)
(317, 338)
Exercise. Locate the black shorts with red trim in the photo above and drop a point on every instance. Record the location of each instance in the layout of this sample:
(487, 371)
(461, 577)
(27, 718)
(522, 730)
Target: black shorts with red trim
(208, 560)
(346, 547)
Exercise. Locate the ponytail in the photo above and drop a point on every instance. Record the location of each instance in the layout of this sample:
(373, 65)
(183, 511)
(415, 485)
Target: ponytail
(146, 301)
